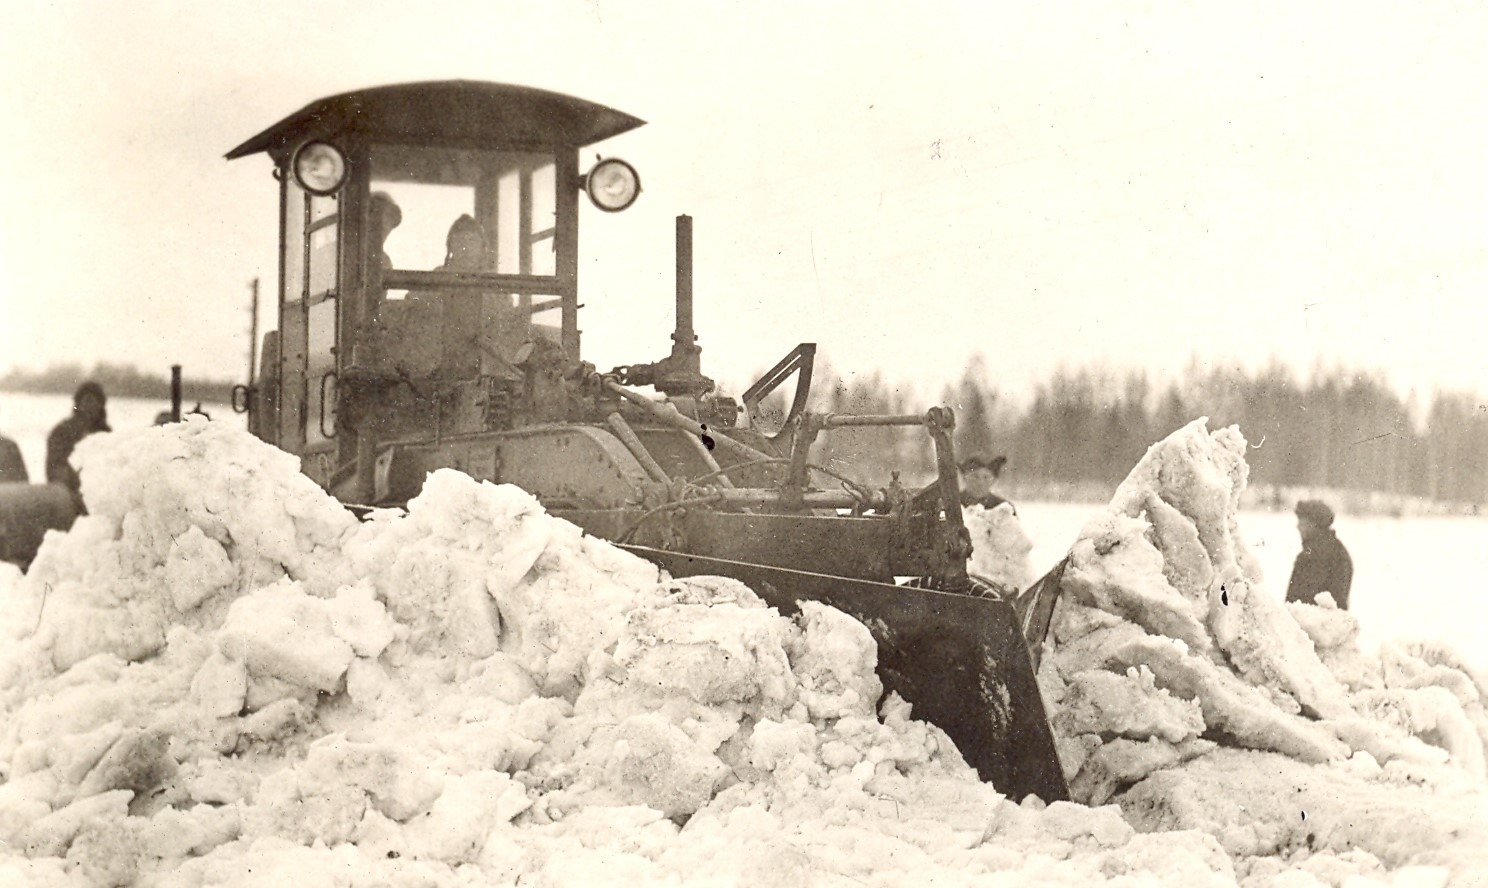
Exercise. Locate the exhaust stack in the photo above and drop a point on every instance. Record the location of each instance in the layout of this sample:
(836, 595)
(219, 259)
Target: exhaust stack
(686, 353)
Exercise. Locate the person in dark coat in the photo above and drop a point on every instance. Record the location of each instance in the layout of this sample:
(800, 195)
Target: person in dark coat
(383, 216)
(1324, 564)
(89, 415)
(978, 474)
(12, 464)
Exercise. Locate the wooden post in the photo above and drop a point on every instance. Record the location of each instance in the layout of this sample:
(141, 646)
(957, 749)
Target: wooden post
(175, 393)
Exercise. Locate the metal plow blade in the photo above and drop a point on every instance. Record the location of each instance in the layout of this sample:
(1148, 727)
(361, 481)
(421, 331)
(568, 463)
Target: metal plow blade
(960, 661)
(1035, 609)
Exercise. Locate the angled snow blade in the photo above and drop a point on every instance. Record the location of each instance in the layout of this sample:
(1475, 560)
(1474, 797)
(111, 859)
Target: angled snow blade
(960, 661)
(1035, 609)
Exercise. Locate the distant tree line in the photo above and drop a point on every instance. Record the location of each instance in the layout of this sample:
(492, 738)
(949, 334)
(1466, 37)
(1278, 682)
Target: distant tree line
(118, 380)
(1085, 428)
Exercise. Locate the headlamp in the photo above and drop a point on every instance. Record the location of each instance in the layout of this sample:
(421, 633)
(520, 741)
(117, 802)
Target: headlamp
(612, 185)
(319, 168)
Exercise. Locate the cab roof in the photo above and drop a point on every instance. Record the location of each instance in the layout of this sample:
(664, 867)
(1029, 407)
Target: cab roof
(453, 111)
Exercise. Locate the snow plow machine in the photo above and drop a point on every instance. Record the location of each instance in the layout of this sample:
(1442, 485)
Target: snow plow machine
(429, 318)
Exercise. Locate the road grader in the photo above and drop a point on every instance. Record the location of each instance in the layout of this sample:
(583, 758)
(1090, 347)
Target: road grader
(428, 317)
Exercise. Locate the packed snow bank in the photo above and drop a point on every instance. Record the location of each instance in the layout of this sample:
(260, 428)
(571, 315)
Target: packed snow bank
(1182, 689)
(999, 547)
(219, 678)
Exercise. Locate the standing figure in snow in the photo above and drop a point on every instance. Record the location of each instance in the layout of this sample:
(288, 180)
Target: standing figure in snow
(978, 474)
(1324, 564)
(12, 465)
(89, 415)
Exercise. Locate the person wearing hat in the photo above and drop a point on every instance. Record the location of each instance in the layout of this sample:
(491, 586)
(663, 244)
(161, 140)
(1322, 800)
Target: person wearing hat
(978, 474)
(1324, 564)
(383, 215)
(89, 415)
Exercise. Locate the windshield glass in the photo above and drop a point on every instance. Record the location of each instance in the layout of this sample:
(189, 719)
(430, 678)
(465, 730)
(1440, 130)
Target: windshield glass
(445, 209)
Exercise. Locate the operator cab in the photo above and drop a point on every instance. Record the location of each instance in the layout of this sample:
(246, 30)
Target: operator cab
(428, 247)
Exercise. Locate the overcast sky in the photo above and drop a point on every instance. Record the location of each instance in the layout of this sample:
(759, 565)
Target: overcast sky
(906, 184)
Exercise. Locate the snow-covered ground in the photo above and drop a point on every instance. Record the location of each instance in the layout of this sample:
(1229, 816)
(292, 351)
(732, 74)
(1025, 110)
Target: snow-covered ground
(218, 677)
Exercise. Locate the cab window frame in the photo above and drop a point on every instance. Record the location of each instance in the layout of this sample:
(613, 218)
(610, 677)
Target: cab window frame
(485, 172)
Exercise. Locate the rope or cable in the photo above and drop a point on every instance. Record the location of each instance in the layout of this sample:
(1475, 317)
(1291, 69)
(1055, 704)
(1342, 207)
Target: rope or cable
(678, 504)
(857, 490)
(724, 470)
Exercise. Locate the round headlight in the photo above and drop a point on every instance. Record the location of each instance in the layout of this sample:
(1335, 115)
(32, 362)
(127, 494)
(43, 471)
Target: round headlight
(319, 168)
(613, 185)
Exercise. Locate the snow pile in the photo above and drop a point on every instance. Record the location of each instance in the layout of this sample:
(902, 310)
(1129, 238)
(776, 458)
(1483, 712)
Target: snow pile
(218, 678)
(1184, 691)
(999, 547)
(163, 546)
